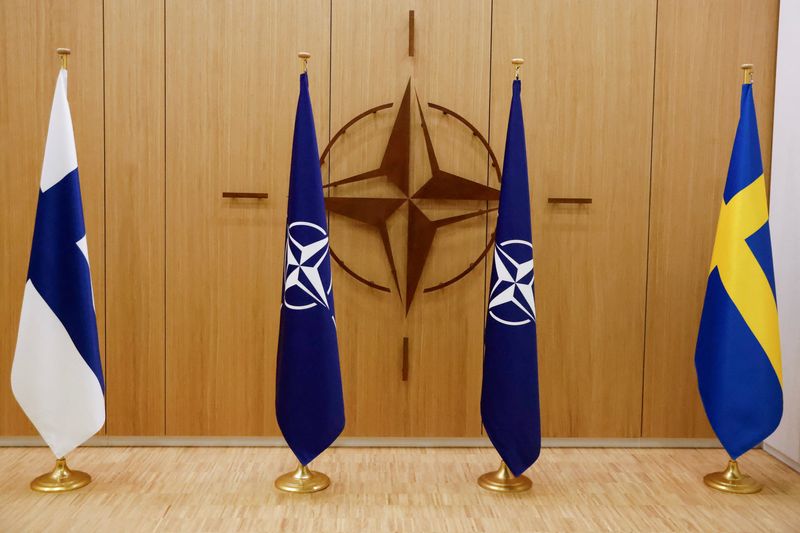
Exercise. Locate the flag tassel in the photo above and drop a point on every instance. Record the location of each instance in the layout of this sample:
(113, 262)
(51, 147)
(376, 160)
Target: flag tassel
(61, 479)
(502, 480)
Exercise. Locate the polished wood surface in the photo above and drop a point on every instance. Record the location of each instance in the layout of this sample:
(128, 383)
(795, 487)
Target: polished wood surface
(231, 92)
(176, 102)
(587, 97)
(446, 326)
(403, 490)
(698, 85)
(374, 65)
(435, 391)
(30, 33)
(135, 216)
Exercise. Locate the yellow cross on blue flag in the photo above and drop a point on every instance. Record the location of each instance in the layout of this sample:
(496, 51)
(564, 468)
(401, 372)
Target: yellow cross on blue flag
(738, 357)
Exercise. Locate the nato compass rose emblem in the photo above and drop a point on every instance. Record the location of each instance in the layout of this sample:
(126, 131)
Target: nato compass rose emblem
(305, 285)
(395, 168)
(511, 297)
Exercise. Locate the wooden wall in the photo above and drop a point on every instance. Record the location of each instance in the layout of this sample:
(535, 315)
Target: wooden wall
(633, 104)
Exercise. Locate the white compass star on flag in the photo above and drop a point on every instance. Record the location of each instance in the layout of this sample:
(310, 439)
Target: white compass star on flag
(514, 286)
(303, 267)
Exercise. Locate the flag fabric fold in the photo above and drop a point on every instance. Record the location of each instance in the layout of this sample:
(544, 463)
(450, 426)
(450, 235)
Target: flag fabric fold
(510, 391)
(309, 403)
(738, 359)
(56, 375)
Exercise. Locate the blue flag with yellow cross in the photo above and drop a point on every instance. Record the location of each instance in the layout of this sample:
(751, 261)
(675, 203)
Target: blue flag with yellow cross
(738, 357)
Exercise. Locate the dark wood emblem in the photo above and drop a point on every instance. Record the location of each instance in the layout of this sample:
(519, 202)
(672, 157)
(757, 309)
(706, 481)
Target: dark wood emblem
(442, 185)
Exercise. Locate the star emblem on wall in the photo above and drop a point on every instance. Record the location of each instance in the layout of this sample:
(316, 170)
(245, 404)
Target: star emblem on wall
(441, 185)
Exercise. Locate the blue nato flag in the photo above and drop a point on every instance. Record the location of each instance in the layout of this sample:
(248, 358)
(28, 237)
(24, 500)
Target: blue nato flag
(308, 396)
(738, 358)
(510, 392)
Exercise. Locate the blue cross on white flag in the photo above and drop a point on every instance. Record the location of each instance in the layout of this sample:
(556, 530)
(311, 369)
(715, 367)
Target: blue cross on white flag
(56, 376)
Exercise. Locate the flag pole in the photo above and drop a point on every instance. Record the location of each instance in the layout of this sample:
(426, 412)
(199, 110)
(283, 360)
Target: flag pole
(731, 479)
(517, 62)
(304, 57)
(747, 71)
(63, 53)
(302, 480)
(502, 479)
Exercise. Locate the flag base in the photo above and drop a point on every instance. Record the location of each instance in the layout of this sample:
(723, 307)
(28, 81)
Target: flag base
(732, 480)
(61, 479)
(502, 480)
(303, 481)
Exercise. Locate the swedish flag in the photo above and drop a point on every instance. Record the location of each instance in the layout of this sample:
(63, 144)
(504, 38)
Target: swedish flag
(738, 357)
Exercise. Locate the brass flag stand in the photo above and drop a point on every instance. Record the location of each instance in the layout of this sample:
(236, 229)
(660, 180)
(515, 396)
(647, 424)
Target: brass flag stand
(731, 479)
(303, 481)
(502, 479)
(61, 479)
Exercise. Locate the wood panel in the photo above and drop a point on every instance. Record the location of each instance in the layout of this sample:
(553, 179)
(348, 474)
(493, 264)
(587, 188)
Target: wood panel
(587, 99)
(231, 85)
(407, 489)
(451, 67)
(371, 66)
(700, 47)
(199, 98)
(135, 221)
(31, 32)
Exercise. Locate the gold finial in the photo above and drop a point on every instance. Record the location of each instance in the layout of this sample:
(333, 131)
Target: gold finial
(747, 69)
(63, 53)
(517, 62)
(304, 57)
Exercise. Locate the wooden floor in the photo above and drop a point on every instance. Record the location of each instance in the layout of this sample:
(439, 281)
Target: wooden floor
(400, 489)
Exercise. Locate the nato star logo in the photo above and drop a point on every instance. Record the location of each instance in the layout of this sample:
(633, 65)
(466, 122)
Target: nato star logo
(441, 185)
(306, 250)
(511, 297)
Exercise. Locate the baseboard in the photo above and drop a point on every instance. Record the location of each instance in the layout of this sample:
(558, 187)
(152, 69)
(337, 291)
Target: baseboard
(782, 457)
(372, 442)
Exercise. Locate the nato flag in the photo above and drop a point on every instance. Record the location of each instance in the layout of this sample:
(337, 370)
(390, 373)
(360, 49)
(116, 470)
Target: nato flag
(510, 395)
(308, 389)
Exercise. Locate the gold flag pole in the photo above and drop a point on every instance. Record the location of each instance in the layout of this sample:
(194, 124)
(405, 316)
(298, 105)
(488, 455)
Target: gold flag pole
(517, 62)
(63, 53)
(304, 57)
(731, 479)
(747, 71)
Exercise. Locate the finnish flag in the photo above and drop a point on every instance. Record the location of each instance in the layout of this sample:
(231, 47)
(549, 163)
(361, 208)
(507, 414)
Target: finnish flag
(56, 376)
